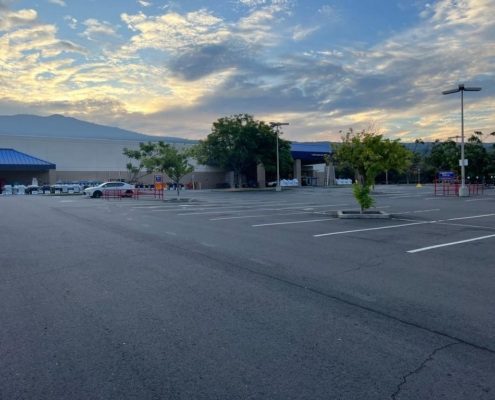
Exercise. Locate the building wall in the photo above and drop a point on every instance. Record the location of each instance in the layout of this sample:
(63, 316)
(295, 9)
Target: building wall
(94, 160)
(74, 154)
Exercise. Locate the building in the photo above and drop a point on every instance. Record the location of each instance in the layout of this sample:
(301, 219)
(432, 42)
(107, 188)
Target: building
(91, 159)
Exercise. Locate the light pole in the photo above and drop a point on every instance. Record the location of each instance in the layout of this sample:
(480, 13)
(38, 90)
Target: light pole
(463, 191)
(277, 125)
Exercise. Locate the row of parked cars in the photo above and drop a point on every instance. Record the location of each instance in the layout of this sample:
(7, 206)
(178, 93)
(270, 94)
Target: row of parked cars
(60, 187)
(65, 187)
(90, 189)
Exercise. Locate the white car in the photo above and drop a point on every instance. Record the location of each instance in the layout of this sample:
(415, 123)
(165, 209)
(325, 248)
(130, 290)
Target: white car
(122, 188)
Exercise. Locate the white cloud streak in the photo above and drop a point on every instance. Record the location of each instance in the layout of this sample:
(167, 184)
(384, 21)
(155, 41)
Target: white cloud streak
(58, 2)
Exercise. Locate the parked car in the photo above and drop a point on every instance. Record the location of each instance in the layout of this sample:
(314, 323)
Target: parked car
(125, 189)
(32, 189)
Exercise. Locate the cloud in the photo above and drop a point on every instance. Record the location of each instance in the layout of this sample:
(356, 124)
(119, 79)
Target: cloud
(58, 2)
(301, 33)
(173, 32)
(12, 19)
(99, 30)
(205, 61)
(253, 3)
(200, 63)
(145, 3)
(71, 21)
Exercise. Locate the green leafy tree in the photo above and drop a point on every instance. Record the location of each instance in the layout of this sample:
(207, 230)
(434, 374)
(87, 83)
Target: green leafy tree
(368, 153)
(159, 157)
(239, 143)
(444, 156)
(477, 154)
(143, 156)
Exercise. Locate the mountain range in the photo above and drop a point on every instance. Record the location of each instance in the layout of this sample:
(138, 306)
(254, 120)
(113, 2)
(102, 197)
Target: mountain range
(59, 126)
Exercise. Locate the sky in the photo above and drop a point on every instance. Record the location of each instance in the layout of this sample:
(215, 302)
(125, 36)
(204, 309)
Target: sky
(172, 68)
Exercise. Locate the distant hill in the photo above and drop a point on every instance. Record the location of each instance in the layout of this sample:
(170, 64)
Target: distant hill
(58, 126)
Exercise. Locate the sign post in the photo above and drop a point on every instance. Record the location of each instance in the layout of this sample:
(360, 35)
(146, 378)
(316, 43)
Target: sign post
(159, 182)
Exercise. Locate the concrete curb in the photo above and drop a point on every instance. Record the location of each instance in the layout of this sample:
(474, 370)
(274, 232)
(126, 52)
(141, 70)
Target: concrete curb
(364, 215)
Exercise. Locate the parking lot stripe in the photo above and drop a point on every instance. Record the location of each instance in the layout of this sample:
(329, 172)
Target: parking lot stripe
(373, 229)
(401, 225)
(225, 210)
(417, 211)
(470, 217)
(450, 244)
(467, 225)
(270, 215)
(293, 222)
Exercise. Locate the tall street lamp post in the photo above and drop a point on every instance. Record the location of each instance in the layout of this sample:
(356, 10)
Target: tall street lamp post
(463, 191)
(277, 125)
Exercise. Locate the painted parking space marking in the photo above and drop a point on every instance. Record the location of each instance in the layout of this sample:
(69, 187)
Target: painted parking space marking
(234, 209)
(293, 222)
(417, 211)
(402, 225)
(373, 229)
(467, 225)
(450, 244)
(468, 201)
(405, 196)
(255, 209)
(470, 217)
(321, 212)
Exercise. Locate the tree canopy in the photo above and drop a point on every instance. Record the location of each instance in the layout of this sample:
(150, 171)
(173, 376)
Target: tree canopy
(159, 157)
(239, 143)
(368, 153)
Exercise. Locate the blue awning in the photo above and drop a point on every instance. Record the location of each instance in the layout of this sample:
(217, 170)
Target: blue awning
(11, 159)
(311, 153)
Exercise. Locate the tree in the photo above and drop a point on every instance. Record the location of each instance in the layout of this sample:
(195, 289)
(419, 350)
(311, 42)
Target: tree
(477, 155)
(239, 143)
(368, 153)
(445, 155)
(159, 157)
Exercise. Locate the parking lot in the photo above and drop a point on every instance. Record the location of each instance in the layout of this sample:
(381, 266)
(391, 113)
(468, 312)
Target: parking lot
(254, 294)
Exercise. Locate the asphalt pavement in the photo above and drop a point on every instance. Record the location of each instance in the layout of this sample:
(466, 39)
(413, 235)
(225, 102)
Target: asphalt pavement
(248, 295)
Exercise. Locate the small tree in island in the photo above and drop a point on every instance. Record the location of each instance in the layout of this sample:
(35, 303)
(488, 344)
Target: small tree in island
(369, 154)
(158, 157)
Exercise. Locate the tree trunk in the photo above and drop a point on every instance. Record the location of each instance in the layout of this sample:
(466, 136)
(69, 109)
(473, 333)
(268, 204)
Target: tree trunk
(237, 178)
(178, 189)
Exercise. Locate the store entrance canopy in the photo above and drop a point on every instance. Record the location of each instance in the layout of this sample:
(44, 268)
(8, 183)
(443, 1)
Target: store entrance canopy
(310, 153)
(14, 160)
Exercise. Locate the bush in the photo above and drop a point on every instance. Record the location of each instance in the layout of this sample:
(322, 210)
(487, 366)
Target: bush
(362, 194)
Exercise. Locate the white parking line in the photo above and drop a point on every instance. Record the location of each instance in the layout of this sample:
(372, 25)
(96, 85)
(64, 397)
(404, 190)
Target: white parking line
(470, 217)
(450, 244)
(269, 215)
(293, 222)
(417, 211)
(467, 201)
(256, 209)
(373, 229)
(467, 225)
(401, 225)
(405, 196)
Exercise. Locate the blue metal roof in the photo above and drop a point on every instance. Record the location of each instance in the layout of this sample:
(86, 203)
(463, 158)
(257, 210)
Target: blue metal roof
(311, 152)
(13, 159)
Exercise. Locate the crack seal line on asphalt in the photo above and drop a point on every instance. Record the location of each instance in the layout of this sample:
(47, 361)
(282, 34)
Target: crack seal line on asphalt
(418, 370)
